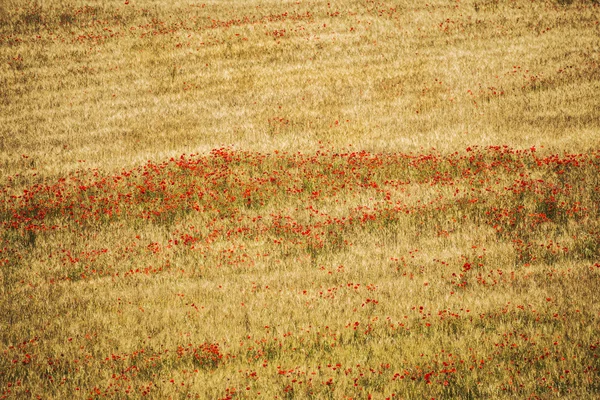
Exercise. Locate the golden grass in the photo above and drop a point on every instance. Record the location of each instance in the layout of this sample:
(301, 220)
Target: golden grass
(116, 85)
(376, 199)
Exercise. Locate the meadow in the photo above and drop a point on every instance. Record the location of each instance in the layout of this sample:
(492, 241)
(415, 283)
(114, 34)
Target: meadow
(300, 199)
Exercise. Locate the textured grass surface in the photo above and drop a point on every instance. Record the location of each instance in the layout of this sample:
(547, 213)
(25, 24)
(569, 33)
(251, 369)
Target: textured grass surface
(375, 199)
(116, 85)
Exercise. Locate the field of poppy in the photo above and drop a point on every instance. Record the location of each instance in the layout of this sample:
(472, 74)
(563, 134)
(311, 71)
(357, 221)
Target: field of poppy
(311, 200)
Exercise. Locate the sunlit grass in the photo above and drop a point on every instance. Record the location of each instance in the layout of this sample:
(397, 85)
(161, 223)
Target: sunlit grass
(448, 275)
(115, 85)
(299, 199)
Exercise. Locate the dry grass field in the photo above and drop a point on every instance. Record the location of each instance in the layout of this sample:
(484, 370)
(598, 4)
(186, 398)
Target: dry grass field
(300, 199)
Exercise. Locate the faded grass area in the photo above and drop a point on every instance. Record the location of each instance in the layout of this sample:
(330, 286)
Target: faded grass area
(310, 242)
(116, 84)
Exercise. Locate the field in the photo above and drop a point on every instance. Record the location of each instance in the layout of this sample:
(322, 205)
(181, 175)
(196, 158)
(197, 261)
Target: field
(299, 199)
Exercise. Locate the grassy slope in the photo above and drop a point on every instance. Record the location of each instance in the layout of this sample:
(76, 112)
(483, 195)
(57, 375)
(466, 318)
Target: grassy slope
(329, 272)
(115, 85)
